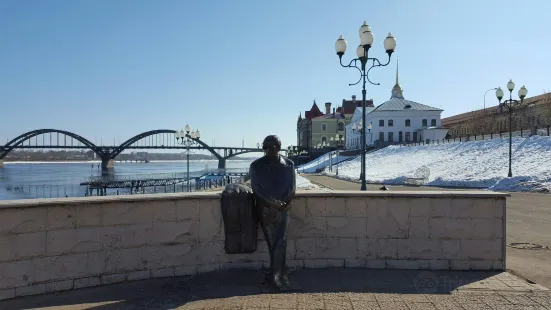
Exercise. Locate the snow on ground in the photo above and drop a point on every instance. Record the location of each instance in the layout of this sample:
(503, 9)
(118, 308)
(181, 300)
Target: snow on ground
(475, 164)
(321, 162)
(304, 183)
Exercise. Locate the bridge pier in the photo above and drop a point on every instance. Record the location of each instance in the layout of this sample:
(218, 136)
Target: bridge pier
(107, 164)
(1, 163)
(222, 163)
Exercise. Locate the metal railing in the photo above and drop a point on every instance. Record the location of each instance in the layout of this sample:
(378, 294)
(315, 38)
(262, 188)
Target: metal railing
(526, 133)
(175, 175)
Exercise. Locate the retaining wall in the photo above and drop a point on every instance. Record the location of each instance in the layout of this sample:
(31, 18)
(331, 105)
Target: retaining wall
(52, 245)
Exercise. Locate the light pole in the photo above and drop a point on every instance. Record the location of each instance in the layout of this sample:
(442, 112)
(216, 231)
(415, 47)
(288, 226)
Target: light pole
(369, 131)
(339, 141)
(510, 104)
(366, 40)
(331, 155)
(187, 138)
(357, 129)
(495, 88)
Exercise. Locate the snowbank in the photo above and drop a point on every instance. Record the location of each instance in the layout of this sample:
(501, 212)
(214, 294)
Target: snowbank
(474, 164)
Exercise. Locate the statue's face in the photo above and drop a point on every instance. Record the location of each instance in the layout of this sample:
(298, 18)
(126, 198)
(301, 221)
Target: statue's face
(271, 148)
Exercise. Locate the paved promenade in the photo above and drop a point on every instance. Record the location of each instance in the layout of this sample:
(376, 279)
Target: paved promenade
(334, 289)
(528, 221)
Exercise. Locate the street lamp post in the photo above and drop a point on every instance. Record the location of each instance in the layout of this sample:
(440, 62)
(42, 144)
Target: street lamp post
(509, 104)
(331, 155)
(366, 40)
(339, 141)
(495, 88)
(369, 131)
(187, 137)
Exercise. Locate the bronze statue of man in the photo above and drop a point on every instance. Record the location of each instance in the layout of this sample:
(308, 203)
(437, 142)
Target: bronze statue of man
(273, 181)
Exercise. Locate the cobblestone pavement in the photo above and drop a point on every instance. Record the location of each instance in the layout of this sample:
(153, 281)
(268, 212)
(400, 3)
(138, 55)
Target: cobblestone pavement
(334, 288)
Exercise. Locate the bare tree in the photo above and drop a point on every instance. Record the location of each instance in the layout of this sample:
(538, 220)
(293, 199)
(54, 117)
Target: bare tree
(545, 109)
(480, 122)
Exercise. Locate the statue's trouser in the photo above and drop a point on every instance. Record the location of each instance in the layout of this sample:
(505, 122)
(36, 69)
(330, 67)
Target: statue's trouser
(274, 226)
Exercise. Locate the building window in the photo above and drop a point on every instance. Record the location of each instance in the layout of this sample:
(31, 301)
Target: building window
(408, 136)
(381, 123)
(424, 123)
(400, 137)
(433, 122)
(341, 126)
(390, 137)
(390, 123)
(415, 137)
(323, 127)
(408, 123)
(324, 140)
(381, 136)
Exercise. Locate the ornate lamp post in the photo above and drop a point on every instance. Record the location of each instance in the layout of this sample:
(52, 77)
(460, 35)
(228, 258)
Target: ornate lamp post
(510, 104)
(187, 137)
(366, 40)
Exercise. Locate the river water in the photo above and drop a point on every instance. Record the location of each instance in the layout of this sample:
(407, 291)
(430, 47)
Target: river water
(52, 179)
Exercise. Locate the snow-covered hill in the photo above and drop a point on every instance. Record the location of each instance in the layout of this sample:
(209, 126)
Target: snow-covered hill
(481, 164)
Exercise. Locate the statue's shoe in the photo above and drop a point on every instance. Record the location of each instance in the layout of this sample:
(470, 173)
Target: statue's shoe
(277, 282)
(285, 280)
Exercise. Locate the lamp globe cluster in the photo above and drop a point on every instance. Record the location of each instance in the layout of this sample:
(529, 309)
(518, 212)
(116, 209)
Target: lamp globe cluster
(366, 40)
(522, 92)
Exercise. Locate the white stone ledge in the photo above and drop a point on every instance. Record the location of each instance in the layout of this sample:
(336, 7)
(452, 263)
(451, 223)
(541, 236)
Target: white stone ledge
(106, 199)
(72, 243)
(216, 195)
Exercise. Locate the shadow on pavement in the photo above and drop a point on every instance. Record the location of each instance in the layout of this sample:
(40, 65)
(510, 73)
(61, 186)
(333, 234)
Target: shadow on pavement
(191, 291)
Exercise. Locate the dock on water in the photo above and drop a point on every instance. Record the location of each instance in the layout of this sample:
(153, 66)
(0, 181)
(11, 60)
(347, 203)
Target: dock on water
(166, 182)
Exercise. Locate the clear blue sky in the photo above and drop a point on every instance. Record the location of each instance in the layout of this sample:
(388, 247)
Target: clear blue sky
(112, 69)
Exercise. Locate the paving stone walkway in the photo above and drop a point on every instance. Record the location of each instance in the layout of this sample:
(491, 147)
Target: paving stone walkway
(334, 288)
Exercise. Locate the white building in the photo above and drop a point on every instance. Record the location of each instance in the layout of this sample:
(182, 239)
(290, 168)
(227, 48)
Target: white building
(396, 121)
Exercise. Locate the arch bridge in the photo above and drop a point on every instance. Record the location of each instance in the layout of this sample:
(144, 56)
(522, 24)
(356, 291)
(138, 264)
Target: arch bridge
(153, 139)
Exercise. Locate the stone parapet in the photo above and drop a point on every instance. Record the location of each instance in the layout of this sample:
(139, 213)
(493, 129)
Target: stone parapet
(52, 245)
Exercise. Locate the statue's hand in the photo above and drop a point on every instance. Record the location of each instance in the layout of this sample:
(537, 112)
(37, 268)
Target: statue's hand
(287, 206)
(276, 203)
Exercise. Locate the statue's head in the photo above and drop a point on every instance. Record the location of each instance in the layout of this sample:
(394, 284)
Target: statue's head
(271, 145)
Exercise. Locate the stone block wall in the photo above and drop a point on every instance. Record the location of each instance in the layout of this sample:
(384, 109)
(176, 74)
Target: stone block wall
(61, 244)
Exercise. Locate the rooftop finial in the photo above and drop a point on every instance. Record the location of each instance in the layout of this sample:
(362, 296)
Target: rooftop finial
(397, 90)
(397, 71)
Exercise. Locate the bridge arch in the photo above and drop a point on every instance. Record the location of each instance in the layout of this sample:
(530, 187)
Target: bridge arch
(31, 134)
(249, 151)
(243, 152)
(146, 134)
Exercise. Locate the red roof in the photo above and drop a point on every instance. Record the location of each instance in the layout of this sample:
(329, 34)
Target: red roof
(349, 106)
(314, 112)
